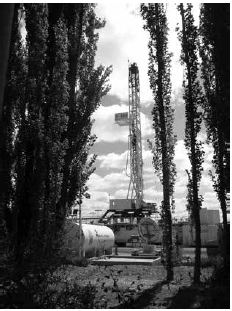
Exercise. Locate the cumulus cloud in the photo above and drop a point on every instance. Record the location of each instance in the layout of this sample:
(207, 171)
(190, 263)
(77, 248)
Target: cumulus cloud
(177, 97)
(113, 160)
(120, 194)
(206, 181)
(123, 39)
(108, 131)
(108, 182)
(104, 126)
(180, 207)
(210, 200)
(181, 183)
(99, 200)
(153, 194)
(181, 157)
(209, 151)
(146, 126)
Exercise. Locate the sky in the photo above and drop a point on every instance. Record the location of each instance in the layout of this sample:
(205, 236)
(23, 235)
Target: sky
(123, 38)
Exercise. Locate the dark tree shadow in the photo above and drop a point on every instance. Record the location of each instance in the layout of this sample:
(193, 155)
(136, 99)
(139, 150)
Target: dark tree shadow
(144, 299)
(184, 299)
(214, 294)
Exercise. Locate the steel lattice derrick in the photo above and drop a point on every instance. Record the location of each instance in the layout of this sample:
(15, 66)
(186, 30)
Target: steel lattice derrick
(136, 162)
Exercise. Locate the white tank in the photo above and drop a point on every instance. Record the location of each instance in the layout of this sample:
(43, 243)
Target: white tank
(95, 240)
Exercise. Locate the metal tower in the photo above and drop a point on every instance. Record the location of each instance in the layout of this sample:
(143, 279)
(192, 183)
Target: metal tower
(135, 190)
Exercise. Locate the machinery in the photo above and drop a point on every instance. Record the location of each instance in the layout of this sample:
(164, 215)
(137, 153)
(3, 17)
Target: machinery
(149, 231)
(124, 215)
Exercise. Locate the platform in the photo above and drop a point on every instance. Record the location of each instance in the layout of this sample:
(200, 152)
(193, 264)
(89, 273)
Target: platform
(110, 261)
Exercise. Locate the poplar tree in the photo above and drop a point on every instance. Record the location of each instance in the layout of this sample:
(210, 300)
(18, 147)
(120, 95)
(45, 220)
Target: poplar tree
(52, 90)
(193, 98)
(30, 202)
(9, 104)
(87, 86)
(215, 55)
(15, 103)
(55, 123)
(163, 151)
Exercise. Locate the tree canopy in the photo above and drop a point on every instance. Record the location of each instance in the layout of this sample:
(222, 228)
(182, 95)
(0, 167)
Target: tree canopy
(53, 88)
(162, 112)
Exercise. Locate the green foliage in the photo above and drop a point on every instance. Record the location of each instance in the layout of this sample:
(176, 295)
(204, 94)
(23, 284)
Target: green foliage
(47, 288)
(162, 112)
(214, 52)
(193, 98)
(52, 90)
(87, 86)
(13, 118)
(50, 286)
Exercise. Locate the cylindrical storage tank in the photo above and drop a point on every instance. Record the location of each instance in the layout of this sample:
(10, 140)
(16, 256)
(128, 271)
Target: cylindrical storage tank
(95, 240)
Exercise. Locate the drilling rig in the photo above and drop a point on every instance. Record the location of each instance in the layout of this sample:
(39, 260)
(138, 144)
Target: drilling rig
(135, 139)
(127, 213)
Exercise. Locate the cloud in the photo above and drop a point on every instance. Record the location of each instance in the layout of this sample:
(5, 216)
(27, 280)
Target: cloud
(152, 194)
(181, 157)
(181, 183)
(108, 131)
(206, 181)
(177, 97)
(120, 194)
(210, 200)
(108, 182)
(209, 151)
(180, 207)
(146, 126)
(123, 39)
(113, 160)
(121, 162)
(98, 200)
(104, 126)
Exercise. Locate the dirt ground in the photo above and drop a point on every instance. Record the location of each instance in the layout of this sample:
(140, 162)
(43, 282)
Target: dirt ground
(88, 286)
(140, 287)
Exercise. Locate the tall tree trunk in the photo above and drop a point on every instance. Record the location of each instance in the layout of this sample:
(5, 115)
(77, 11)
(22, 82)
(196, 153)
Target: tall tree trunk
(222, 190)
(75, 25)
(193, 155)
(196, 207)
(221, 137)
(6, 17)
(215, 54)
(165, 166)
(163, 151)
(31, 207)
